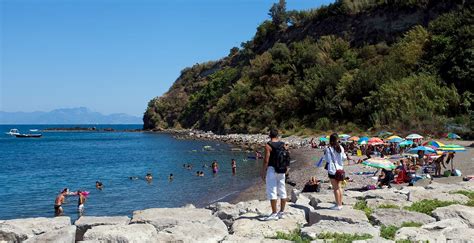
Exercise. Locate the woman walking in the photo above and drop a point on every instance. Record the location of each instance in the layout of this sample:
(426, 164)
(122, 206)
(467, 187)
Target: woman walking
(335, 156)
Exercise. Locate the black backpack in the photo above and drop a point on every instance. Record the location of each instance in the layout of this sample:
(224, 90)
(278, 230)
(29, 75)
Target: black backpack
(281, 160)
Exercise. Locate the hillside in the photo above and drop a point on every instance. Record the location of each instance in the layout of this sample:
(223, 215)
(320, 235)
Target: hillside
(403, 65)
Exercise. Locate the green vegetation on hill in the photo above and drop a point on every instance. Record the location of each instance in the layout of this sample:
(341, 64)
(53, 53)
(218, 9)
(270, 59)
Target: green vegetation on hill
(404, 65)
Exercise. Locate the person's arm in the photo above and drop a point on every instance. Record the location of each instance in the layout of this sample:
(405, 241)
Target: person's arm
(268, 150)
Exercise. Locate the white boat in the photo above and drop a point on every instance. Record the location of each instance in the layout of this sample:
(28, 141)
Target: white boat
(33, 130)
(13, 132)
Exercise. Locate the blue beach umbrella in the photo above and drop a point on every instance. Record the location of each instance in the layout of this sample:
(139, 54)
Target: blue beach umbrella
(363, 140)
(323, 139)
(453, 136)
(395, 140)
(405, 143)
(421, 148)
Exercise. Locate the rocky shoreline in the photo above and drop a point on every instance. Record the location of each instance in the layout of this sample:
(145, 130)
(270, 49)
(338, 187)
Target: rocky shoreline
(307, 214)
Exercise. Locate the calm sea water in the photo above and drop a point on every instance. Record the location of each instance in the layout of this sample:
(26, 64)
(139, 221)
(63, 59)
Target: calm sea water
(33, 171)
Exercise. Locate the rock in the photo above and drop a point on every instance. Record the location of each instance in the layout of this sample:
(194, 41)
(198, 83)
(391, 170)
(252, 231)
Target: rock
(181, 221)
(16, 230)
(238, 239)
(459, 234)
(328, 226)
(456, 211)
(420, 193)
(387, 194)
(226, 212)
(347, 214)
(445, 223)
(122, 233)
(294, 195)
(353, 194)
(419, 235)
(392, 216)
(251, 225)
(317, 198)
(64, 235)
(377, 202)
(87, 222)
(374, 240)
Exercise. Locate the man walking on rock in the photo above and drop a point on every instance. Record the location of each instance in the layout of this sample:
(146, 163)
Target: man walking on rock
(275, 180)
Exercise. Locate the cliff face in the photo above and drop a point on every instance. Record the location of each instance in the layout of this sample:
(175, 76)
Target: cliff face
(325, 67)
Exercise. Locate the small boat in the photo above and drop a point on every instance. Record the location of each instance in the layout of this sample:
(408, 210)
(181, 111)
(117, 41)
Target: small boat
(13, 132)
(28, 135)
(33, 130)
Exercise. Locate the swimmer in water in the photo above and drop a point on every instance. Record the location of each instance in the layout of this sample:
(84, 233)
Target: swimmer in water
(133, 178)
(149, 177)
(58, 203)
(215, 167)
(170, 178)
(234, 166)
(99, 185)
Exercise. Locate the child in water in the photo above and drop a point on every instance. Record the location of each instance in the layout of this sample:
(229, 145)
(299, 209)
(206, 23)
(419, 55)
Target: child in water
(215, 167)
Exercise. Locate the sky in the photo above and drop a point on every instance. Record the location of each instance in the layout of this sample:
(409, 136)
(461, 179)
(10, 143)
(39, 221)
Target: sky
(113, 56)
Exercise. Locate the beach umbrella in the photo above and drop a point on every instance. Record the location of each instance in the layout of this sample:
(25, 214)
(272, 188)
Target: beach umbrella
(363, 140)
(392, 137)
(354, 138)
(453, 136)
(414, 136)
(452, 148)
(379, 163)
(375, 141)
(433, 143)
(396, 140)
(421, 148)
(344, 136)
(410, 155)
(405, 143)
(323, 139)
(384, 134)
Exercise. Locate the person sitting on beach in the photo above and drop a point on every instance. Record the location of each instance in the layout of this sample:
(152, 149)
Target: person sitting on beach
(80, 203)
(99, 185)
(58, 203)
(234, 166)
(312, 185)
(215, 167)
(148, 177)
(386, 176)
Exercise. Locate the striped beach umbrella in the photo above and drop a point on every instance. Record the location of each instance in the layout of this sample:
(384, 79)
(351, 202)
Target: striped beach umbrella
(433, 143)
(414, 136)
(452, 148)
(344, 136)
(421, 148)
(392, 137)
(379, 163)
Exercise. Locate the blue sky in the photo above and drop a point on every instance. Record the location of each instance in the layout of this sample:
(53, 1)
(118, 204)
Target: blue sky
(114, 55)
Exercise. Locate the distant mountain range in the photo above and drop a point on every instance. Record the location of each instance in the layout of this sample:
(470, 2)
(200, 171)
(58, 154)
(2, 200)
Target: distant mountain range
(80, 115)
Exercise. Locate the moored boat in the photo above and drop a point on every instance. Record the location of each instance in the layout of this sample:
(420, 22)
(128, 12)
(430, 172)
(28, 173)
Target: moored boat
(13, 132)
(28, 135)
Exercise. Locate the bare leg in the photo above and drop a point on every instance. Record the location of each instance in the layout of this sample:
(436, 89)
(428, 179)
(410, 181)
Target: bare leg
(282, 204)
(335, 188)
(339, 193)
(273, 203)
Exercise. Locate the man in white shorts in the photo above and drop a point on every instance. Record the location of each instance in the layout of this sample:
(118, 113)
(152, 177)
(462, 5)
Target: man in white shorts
(275, 182)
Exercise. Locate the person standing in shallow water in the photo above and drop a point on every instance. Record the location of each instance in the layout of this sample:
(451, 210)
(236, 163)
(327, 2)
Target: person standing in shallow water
(234, 166)
(275, 182)
(58, 203)
(80, 203)
(334, 156)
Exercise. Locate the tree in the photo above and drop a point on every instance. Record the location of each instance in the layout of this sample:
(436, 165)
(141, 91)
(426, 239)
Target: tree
(278, 14)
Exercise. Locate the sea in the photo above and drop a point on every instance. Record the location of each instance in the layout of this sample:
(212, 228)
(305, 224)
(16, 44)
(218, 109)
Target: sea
(34, 170)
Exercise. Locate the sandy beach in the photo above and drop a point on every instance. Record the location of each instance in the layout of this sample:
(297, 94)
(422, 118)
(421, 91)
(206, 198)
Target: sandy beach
(304, 168)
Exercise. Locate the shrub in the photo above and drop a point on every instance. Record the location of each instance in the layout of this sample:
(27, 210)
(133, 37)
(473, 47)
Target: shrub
(427, 206)
(294, 236)
(343, 238)
(388, 232)
(411, 224)
(469, 194)
(362, 205)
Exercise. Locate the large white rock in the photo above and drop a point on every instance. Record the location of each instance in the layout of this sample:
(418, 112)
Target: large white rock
(391, 216)
(64, 235)
(444, 224)
(347, 214)
(459, 234)
(320, 198)
(174, 223)
(456, 211)
(251, 225)
(419, 235)
(17, 230)
(387, 194)
(374, 240)
(328, 226)
(122, 233)
(420, 193)
(377, 202)
(238, 239)
(226, 212)
(87, 222)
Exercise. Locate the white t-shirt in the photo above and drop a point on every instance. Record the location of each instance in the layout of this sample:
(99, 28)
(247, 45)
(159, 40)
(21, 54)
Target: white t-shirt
(334, 158)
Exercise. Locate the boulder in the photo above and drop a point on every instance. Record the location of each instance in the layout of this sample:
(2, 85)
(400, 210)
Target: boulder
(17, 230)
(377, 202)
(353, 194)
(444, 224)
(392, 216)
(182, 224)
(251, 225)
(64, 235)
(347, 214)
(328, 226)
(419, 193)
(419, 235)
(374, 240)
(317, 198)
(459, 234)
(456, 211)
(294, 195)
(238, 239)
(226, 212)
(122, 233)
(87, 222)
(387, 194)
